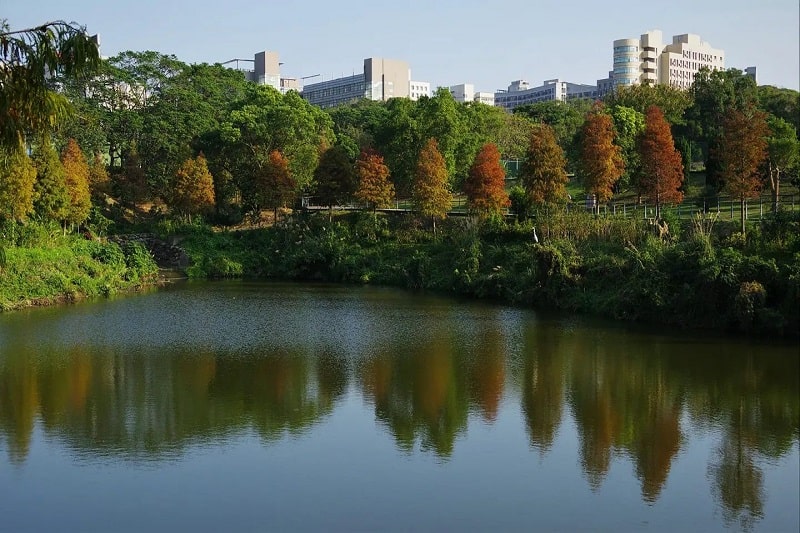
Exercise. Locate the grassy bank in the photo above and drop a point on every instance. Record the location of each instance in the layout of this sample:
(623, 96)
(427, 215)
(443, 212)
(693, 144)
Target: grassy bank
(39, 265)
(703, 275)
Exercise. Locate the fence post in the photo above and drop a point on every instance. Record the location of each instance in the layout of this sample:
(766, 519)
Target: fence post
(761, 209)
(731, 202)
(718, 205)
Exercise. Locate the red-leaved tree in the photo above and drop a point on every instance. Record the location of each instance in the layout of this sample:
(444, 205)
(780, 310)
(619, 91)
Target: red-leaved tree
(740, 153)
(661, 164)
(485, 184)
(601, 159)
(277, 187)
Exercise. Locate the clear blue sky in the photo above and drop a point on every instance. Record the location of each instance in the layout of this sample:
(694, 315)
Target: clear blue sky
(445, 42)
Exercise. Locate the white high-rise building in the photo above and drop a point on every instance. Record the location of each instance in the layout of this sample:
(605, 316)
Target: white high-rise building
(648, 60)
(418, 89)
(464, 92)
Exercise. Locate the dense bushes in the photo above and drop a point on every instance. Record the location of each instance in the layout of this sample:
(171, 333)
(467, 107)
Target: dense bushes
(607, 266)
(43, 266)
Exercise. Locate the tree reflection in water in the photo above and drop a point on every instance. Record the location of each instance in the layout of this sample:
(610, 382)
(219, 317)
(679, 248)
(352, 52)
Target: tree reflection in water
(630, 396)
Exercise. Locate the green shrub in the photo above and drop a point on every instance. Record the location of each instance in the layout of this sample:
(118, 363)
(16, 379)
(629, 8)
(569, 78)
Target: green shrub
(749, 302)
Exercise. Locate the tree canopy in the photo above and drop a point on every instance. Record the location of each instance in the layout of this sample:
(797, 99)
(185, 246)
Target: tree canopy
(485, 184)
(29, 59)
(662, 169)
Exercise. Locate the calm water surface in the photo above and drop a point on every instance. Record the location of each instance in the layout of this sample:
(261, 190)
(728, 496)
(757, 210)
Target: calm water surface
(238, 406)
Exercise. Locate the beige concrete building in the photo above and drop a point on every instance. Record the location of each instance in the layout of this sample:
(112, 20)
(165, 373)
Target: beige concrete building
(381, 80)
(649, 60)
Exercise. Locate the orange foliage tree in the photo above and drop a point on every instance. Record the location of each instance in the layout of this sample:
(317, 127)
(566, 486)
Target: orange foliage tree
(193, 192)
(17, 178)
(544, 172)
(601, 159)
(276, 185)
(99, 182)
(374, 187)
(76, 172)
(431, 191)
(740, 152)
(662, 165)
(485, 184)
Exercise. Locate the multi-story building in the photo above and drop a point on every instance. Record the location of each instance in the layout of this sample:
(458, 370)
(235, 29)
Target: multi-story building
(649, 60)
(521, 93)
(381, 80)
(464, 92)
(418, 89)
(484, 97)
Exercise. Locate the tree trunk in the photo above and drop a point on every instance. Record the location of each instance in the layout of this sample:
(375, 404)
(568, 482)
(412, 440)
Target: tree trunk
(743, 203)
(775, 185)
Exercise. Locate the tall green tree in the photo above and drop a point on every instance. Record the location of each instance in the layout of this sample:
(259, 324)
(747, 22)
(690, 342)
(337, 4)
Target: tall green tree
(741, 150)
(672, 101)
(544, 172)
(781, 102)
(27, 58)
(431, 193)
(400, 140)
(440, 119)
(566, 119)
(662, 168)
(51, 197)
(783, 153)
(334, 178)
(601, 160)
(628, 124)
(714, 95)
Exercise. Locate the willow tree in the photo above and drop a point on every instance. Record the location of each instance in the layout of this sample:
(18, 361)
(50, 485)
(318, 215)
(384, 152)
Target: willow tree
(544, 172)
(662, 166)
(740, 152)
(431, 191)
(29, 59)
(601, 159)
(485, 183)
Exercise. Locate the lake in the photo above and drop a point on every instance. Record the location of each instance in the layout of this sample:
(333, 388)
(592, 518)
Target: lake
(237, 406)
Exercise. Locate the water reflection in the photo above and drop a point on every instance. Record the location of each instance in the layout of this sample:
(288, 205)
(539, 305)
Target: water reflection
(630, 396)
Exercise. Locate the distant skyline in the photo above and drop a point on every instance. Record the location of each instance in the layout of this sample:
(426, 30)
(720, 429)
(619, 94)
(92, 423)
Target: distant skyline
(445, 42)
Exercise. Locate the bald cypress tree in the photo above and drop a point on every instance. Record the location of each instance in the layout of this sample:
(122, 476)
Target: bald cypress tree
(601, 159)
(431, 191)
(662, 166)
